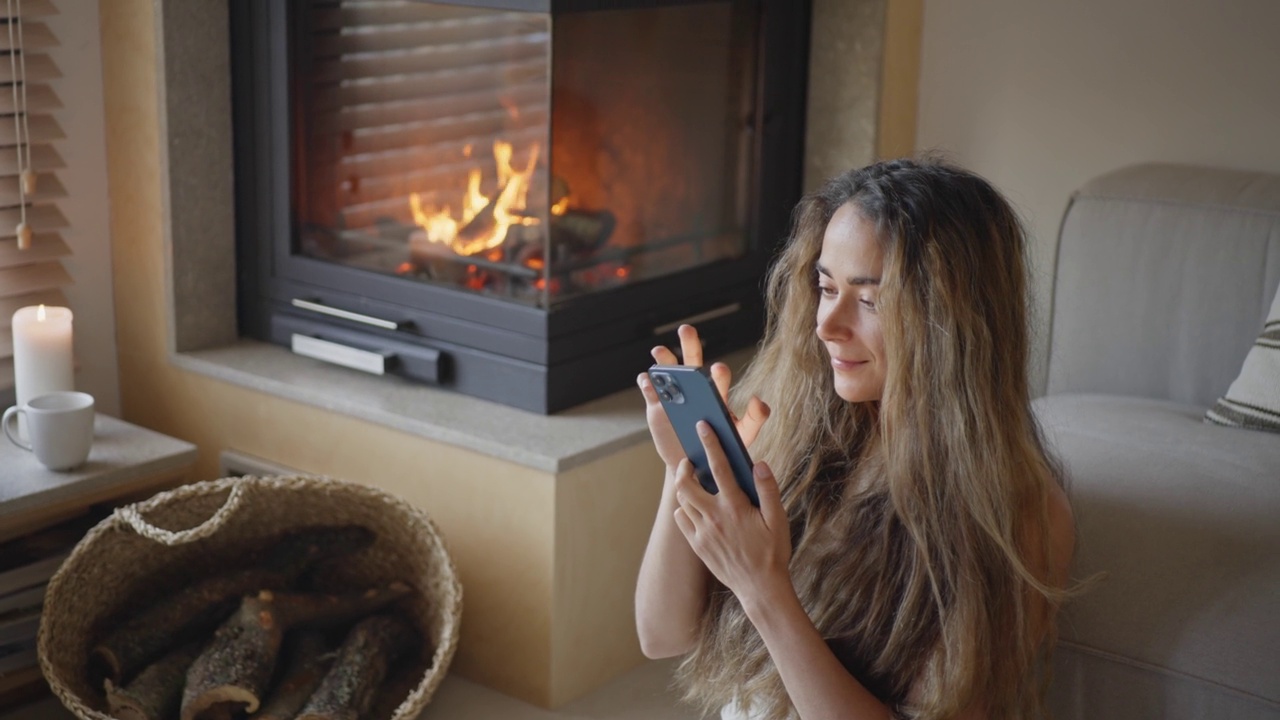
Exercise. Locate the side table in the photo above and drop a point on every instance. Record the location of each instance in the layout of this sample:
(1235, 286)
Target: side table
(126, 462)
(125, 459)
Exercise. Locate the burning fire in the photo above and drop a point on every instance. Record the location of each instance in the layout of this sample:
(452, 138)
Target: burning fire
(484, 222)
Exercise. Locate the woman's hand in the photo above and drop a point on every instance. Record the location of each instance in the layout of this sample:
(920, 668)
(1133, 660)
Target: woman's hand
(664, 437)
(747, 549)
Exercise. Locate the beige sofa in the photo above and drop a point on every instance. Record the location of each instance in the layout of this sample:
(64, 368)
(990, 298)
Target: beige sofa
(1164, 276)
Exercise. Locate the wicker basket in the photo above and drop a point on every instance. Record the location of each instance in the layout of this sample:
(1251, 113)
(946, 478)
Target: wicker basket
(122, 556)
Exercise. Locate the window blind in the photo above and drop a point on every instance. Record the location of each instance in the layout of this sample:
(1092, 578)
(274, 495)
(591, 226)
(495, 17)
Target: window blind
(35, 275)
(409, 97)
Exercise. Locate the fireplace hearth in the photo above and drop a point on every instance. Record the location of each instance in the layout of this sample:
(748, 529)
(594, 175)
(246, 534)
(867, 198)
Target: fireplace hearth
(513, 199)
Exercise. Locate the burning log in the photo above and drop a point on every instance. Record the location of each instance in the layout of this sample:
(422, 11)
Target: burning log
(306, 667)
(578, 233)
(349, 689)
(482, 226)
(233, 671)
(196, 609)
(157, 691)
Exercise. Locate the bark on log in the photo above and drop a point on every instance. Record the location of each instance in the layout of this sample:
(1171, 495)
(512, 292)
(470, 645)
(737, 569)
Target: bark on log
(232, 672)
(401, 681)
(580, 233)
(366, 656)
(307, 665)
(157, 691)
(484, 222)
(235, 669)
(198, 608)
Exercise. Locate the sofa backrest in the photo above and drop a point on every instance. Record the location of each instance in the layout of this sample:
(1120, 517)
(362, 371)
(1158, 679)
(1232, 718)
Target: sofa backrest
(1164, 276)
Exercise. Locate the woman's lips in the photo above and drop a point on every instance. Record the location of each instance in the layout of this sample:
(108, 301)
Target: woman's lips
(839, 364)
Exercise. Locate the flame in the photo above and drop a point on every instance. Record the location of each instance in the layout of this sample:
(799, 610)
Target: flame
(40, 313)
(561, 206)
(441, 227)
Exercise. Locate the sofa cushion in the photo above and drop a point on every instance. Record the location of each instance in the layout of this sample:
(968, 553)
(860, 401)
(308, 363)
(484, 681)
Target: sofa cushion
(1184, 517)
(1163, 277)
(1253, 400)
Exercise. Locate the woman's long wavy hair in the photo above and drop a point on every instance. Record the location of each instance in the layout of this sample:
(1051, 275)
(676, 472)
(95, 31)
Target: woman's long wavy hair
(920, 523)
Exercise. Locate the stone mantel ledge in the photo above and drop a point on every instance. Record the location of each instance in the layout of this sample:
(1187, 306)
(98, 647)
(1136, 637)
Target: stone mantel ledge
(554, 443)
(550, 443)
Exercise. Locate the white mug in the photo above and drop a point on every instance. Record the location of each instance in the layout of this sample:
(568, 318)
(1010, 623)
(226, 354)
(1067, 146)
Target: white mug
(60, 426)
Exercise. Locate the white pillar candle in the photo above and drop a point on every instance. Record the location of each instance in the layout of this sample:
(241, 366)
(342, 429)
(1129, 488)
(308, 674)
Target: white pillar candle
(42, 351)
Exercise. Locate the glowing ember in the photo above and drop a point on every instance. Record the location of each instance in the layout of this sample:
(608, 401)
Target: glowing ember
(483, 223)
(541, 284)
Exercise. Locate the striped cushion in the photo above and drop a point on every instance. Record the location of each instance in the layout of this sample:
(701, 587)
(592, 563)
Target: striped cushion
(1253, 400)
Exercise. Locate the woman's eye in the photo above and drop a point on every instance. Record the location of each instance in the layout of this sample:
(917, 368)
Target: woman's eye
(868, 303)
(826, 290)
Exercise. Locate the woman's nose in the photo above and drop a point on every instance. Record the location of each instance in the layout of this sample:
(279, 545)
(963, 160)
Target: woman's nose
(832, 325)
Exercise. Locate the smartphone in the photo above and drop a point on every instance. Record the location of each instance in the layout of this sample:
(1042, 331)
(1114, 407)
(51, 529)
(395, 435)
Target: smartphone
(688, 395)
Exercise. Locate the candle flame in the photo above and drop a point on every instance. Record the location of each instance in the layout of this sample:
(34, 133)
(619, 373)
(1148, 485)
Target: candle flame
(40, 313)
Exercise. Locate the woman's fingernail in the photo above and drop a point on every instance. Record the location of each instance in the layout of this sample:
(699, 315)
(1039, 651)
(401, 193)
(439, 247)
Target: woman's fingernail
(761, 471)
(703, 428)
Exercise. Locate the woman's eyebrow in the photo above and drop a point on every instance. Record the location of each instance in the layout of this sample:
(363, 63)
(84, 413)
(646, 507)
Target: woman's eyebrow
(856, 280)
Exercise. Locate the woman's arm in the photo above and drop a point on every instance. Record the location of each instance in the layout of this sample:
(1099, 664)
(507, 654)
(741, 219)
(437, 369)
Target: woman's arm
(818, 684)
(671, 593)
(749, 550)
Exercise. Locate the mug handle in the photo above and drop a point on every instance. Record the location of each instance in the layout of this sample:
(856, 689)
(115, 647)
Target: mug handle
(12, 413)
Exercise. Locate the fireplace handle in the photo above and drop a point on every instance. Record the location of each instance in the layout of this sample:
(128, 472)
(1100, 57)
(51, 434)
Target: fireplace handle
(729, 309)
(373, 363)
(345, 314)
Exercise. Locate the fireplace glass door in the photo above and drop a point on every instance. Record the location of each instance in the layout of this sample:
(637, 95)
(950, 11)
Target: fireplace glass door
(530, 157)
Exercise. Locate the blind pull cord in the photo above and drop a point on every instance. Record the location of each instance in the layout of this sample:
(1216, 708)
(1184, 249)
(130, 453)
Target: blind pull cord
(21, 126)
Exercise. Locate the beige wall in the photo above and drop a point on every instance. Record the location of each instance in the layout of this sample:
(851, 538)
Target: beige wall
(1041, 96)
(84, 151)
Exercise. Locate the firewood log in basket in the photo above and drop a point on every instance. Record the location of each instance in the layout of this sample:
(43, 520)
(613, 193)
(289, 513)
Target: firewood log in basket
(233, 672)
(157, 691)
(366, 657)
(198, 608)
(306, 667)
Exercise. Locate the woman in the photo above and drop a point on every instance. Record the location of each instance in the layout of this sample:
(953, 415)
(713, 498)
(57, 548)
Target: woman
(913, 539)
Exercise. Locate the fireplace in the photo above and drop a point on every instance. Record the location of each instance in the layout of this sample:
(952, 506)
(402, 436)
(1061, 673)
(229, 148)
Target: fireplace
(513, 199)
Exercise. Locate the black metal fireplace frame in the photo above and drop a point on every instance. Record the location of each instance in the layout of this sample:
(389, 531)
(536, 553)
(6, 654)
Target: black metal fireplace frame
(543, 360)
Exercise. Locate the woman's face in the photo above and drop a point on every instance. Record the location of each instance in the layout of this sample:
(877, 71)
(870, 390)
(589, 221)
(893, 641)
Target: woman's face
(848, 276)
